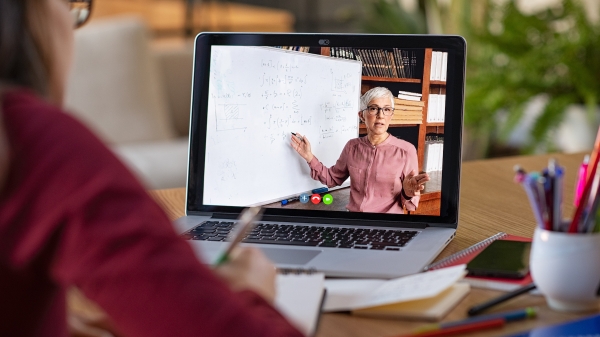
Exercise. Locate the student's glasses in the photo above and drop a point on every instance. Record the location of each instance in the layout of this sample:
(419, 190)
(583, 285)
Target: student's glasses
(81, 11)
(374, 110)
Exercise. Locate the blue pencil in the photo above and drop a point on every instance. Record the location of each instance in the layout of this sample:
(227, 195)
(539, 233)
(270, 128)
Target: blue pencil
(508, 316)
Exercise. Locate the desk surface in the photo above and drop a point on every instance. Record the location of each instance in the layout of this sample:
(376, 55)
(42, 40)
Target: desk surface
(490, 202)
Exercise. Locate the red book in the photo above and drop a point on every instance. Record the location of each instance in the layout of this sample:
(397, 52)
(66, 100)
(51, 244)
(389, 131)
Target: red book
(466, 255)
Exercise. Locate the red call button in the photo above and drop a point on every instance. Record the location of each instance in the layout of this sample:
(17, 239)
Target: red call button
(315, 198)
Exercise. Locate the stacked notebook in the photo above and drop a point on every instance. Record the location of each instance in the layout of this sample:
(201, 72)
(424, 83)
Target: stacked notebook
(466, 255)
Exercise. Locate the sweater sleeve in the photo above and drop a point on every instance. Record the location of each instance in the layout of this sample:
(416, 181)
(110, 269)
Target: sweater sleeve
(333, 176)
(115, 243)
(412, 164)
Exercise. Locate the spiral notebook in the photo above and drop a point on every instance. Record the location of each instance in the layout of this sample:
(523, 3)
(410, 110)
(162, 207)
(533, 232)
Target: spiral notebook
(467, 254)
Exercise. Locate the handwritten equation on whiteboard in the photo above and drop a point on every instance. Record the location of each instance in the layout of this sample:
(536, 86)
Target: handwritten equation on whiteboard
(257, 97)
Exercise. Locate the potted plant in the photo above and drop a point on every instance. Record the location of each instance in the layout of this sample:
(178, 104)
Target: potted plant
(513, 57)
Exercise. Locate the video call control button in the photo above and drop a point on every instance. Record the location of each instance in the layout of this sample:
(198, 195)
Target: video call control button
(304, 198)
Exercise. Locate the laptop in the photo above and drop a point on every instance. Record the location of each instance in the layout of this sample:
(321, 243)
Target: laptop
(342, 214)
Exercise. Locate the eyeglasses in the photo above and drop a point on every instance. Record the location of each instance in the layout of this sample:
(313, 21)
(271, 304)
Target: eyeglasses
(374, 110)
(80, 10)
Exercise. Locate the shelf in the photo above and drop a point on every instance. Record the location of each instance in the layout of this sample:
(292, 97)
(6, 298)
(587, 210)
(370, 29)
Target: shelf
(430, 196)
(362, 129)
(388, 79)
(437, 82)
(434, 129)
(435, 124)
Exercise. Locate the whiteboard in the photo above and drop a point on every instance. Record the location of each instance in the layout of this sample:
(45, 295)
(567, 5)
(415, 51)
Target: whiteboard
(257, 97)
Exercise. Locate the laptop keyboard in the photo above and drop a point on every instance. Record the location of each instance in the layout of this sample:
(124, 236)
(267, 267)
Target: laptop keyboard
(310, 236)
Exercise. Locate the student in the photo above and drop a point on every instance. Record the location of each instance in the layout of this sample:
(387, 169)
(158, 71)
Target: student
(382, 168)
(71, 214)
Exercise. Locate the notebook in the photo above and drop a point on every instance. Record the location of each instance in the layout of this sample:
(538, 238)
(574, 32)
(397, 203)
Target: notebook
(424, 296)
(466, 255)
(252, 91)
(300, 297)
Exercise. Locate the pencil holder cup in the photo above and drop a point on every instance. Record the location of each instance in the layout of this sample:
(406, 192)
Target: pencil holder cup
(566, 269)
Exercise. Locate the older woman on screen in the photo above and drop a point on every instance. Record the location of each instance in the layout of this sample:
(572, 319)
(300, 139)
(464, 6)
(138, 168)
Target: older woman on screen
(383, 169)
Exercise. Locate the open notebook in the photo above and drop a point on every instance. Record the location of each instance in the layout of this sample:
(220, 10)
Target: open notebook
(426, 296)
(300, 296)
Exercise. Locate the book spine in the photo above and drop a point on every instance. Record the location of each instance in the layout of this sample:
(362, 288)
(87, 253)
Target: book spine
(367, 58)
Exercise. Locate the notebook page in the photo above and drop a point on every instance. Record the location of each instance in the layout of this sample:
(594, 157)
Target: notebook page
(299, 298)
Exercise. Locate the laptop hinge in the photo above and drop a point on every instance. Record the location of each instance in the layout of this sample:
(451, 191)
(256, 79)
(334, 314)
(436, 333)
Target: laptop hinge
(332, 221)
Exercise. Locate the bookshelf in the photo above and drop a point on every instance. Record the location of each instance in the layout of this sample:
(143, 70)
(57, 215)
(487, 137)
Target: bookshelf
(429, 203)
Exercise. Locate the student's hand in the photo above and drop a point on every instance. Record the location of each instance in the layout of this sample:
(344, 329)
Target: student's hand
(249, 269)
(302, 147)
(413, 184)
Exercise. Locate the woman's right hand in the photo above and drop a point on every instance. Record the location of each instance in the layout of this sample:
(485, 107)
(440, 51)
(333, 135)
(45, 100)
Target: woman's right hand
(249, 269)
(302, 146)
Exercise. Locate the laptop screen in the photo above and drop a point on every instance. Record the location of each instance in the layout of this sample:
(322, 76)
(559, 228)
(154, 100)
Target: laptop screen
(327, 129)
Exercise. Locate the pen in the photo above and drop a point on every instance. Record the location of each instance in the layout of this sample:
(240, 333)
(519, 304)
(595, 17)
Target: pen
(299, 137)
(574, 226)
(486, 305)
(245, 225)
(474, 323)
(531, 186)
(520, 174)
(287, 201)
(581, 179)
(556, 173)
(320, 190)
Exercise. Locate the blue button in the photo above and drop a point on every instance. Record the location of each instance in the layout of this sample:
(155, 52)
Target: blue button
(304, 198)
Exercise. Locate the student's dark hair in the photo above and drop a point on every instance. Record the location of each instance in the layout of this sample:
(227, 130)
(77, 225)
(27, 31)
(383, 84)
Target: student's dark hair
(25, 45)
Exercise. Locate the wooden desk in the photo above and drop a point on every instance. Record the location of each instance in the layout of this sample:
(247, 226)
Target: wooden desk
(490, 203)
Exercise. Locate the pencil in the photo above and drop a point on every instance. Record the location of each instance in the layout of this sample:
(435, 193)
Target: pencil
(473, 323)
(245, 225)
(486, 305)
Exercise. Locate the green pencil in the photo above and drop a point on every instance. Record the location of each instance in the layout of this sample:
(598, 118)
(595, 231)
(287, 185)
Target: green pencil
(245, 224)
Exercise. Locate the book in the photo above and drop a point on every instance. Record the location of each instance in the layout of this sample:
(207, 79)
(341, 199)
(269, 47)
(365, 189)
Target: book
(426, 296)
(408, 102)
(589, 326)
(300, 297)
(467, 254)
(444, 66)
(409, 97)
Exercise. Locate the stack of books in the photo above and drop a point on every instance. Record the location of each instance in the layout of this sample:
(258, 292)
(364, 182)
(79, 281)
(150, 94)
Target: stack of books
(408, 108)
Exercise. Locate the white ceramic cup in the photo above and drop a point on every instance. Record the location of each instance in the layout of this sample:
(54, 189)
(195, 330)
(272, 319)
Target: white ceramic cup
(566, 269)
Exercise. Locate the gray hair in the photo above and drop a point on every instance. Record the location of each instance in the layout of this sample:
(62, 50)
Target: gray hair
(374, 93)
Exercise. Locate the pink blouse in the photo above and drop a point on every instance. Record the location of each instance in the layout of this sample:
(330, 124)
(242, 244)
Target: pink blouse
(376, 174)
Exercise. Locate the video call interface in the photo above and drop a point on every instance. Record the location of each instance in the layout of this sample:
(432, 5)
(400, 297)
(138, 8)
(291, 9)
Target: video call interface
(271, 109)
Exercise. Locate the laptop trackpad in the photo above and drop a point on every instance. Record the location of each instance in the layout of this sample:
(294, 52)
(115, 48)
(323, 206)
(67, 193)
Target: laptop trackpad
(290, 256)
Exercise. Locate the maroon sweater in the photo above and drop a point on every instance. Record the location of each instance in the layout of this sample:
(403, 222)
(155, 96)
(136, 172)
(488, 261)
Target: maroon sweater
(72, 214)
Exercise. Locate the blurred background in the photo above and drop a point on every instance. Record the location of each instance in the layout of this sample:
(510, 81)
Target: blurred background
(533, 68)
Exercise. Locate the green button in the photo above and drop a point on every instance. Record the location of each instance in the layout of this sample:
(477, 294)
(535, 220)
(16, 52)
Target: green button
(327, 199)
